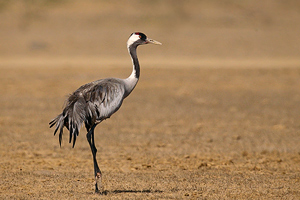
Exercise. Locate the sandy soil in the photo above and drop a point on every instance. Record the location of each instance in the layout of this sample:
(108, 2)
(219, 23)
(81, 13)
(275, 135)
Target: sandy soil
(199, 133)
(214, 116)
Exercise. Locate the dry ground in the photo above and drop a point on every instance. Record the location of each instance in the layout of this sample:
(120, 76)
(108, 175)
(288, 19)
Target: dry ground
(214, 116)
(191, 132)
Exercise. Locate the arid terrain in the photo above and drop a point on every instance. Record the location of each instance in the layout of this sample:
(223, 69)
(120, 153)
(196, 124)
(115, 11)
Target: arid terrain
(215, 115)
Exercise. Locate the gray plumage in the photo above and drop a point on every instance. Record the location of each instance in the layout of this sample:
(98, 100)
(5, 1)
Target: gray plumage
(96, 101)
(90, 104)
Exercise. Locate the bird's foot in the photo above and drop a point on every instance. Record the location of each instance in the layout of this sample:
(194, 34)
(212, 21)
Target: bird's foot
(98, 179)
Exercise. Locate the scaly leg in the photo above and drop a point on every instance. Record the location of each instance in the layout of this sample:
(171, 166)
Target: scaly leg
(98, 174)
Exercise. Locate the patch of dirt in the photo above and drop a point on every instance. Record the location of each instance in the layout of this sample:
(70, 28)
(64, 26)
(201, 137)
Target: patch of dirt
(182, 133)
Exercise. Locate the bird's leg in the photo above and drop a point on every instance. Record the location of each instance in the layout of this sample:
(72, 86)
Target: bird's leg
(98, 174)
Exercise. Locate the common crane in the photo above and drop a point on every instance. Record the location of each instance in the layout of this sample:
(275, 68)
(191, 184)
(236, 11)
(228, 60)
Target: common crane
(96, 101)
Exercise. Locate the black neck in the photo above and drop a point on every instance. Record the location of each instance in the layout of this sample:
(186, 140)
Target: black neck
(135, 61)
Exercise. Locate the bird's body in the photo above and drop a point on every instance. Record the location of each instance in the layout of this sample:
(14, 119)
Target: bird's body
(94, 102)
(90, 104)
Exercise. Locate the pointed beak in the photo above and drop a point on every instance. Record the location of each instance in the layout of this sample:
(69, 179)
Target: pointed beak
(150, 41)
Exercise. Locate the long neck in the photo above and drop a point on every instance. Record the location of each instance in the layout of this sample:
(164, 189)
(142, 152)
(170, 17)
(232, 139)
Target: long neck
(132, 80)
(135, 61)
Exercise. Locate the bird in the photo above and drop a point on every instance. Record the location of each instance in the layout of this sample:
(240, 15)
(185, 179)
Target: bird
(96, 101)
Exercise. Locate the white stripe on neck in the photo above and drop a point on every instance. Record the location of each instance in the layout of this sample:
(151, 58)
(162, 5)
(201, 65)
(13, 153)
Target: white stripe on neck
(133, 38)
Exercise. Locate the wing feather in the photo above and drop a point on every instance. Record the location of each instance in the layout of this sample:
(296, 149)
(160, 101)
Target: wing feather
(89, 104)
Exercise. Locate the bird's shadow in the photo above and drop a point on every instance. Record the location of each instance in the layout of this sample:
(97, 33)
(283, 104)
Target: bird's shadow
(106, 192)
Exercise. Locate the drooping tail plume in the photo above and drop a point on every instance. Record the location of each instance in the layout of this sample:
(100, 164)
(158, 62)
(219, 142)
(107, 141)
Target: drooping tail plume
(72, 118)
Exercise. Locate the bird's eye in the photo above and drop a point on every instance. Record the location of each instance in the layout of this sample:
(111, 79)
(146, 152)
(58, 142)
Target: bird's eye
(140, 36)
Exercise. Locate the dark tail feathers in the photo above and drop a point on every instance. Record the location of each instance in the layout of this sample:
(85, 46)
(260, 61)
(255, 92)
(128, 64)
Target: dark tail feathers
(62, 121)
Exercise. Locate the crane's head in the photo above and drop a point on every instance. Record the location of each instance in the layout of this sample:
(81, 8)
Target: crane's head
(138, 38)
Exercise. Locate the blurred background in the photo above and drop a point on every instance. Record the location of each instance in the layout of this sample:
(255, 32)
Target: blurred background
(217, 117)
(190, 30)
